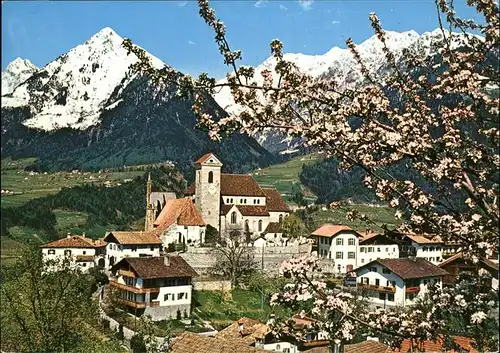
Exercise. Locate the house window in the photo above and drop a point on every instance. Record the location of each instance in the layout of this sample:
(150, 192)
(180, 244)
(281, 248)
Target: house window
(52, 252)
(210, 177)
(84, 252)
(365, 280)
(362, 261)
(281, 219)
(390, 297)
(258, 201)
(373, 269)
(386, 270)
(339, 255)
(166, 297)
(152, 248)
(424, 248)
(386, 249)
(180, 296)
(371, 249)
(378, 249)
(351, 241)
(431, 248)
(377, 282)
(339, 241)
(254, 201)
(350, 255)
(362, 249)
(381, 296)
(67, 252)
(233, 217)
(84, 264)
(260, 225)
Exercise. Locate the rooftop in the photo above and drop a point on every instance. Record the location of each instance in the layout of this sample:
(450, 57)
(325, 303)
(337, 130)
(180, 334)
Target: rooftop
(133, 238)
(245, 329)
(155, 267)
(179, 211)
(274, 201)
(409, 268)
(193, 343)
(330, 230)
(75, 241)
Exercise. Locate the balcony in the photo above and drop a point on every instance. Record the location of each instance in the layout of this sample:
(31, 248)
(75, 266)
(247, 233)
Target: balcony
(138, 305)
(374, 287)
(412, 289)
(133, 289)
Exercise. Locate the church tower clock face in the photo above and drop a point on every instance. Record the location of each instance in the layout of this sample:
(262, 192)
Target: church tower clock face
(211, 189)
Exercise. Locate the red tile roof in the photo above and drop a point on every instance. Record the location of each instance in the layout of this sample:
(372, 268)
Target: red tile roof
(409, 268)
(239, 185)
(203, 158)
(366, 347)
(245, 329)
(436, 346)
(419, 239)
(488, 263)
(193, 343)
(75, 241)
(275, 202)
(330, 230)
(252, 210)
(154, 267)
(273, 227)
(131, 238)
(179, 211)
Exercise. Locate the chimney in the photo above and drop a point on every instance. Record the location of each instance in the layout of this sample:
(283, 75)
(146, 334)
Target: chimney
(166, 260)
(83, 235)
(68, 235)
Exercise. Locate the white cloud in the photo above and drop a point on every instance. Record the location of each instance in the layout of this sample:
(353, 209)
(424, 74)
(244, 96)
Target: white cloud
(191, 42)
(305, 4)
(260, 3)
(283, 7)
(335, 22)
(182, 3)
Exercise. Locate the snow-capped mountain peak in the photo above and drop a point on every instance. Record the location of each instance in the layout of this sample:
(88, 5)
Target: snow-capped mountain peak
(74, 89)
(16, 73)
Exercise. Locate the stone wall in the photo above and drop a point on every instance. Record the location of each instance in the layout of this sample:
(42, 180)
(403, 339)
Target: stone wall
(211, 284)
(270, 258)
(166, 312)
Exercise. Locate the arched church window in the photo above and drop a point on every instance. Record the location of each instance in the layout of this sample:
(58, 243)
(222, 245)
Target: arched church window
(210, 177)
(260, 225)
(247, 228)
(233, 217)
(281, 218)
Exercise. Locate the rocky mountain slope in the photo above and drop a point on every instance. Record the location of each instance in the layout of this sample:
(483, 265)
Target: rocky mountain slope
(339, 65)
(86, 110)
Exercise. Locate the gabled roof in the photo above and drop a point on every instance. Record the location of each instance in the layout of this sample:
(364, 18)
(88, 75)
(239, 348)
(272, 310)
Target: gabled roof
(274, 201)
(409, 268)
(205, 157)
(419, 239)
(366, 347)
(245, 329)
(181, 212)
(487, 263)
(330, 230)
(155, 267)
(132, 238)
(75, 241)
(193, 343)
(245, 210)
(239, 185)
(273, 227)
(375, 239)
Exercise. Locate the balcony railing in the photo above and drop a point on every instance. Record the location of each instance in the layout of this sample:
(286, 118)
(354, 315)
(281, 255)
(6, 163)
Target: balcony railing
(138, 305)
(377, 288)
(133, 289)
(412, 289)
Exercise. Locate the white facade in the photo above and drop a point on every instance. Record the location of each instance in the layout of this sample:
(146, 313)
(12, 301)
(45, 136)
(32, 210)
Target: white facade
(431, 252)
(234, 220)
(244, 200)
(381, 279)
(84, 258)
(368, 253)
(342, 248)
(189, 235)
(285, 347)
(116, 252)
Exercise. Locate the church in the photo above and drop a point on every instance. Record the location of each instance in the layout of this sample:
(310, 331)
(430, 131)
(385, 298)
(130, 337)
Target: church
(235, 201)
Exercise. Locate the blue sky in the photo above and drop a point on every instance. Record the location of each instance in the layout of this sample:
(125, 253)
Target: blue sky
(41, 30)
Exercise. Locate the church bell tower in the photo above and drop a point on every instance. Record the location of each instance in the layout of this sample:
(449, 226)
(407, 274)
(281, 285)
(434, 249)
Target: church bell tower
(207, 186)
(150, 210)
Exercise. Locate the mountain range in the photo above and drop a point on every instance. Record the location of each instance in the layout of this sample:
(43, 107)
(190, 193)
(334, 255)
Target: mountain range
(86, 110)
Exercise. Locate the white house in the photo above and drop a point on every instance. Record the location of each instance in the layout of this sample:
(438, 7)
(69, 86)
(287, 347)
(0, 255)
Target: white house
(78, 249)
(180, 223)
(130, 244)
(428, 249)
(373, 246)
(157, 286)
(234, 201)
(338, 242)
(397, 282)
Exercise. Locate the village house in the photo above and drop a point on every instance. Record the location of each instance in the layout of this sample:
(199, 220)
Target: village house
(180, 223)
(373, 246)
(78, 249)
(130, 244)
(157, 286)
(231, 202)
(337, 242)
(412, 245)
(458, 264)
(397, 282)
(194, 343)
